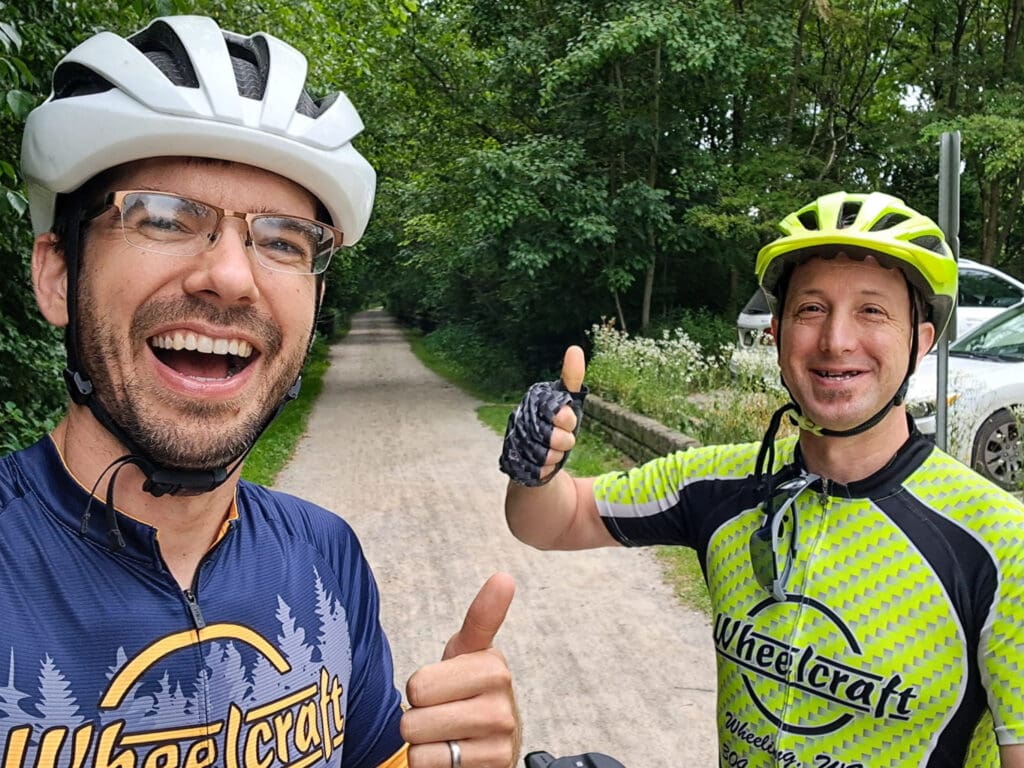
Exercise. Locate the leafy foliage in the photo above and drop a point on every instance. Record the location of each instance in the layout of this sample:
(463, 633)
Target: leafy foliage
(463, 355)
(542, 165)
(33, 36)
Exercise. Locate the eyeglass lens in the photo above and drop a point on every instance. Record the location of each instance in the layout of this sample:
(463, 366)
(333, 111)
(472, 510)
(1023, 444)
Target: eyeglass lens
(178, 226)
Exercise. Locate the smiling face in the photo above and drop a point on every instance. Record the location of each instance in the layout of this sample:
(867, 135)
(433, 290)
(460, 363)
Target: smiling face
(190, 355)
(845, 339)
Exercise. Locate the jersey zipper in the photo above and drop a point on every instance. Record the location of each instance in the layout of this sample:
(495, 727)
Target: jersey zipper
(192, 601)
(192, 593)
(810, 552)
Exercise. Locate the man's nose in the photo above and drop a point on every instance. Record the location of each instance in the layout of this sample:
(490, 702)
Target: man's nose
(838, 333)
(226, 269)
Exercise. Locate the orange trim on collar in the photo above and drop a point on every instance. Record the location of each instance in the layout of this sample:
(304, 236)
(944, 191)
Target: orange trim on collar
(231, 516)
(228, 518)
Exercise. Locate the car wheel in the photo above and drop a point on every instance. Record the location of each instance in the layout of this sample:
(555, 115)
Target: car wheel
(998, 450)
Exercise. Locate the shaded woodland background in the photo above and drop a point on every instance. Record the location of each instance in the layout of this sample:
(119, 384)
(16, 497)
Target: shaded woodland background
(545, 164)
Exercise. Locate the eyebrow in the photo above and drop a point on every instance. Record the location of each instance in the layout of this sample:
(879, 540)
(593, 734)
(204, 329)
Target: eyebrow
(261, 209)
(867, 292)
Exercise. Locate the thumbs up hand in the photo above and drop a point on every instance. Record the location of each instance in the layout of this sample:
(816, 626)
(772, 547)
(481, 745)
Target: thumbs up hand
(543, 428)
(466, 698)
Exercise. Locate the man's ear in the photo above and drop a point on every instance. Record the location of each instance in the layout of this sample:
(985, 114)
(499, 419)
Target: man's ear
(925, 339)
(50, 279)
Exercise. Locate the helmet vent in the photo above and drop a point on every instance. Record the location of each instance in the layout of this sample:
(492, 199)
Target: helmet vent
(250, 60)
(889, 220)
(162, 46)
(74, 79)
(848, 214)
(250, 77)
(930, 242)
(809, 219)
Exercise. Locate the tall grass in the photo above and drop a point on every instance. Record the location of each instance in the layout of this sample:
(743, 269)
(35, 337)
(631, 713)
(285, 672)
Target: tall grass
(678, 382)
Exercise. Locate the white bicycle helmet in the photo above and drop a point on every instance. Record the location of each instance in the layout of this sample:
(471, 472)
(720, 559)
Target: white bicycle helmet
(183, 87)
(174, 89)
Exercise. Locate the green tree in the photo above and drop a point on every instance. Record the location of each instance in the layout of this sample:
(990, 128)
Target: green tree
(969, 58)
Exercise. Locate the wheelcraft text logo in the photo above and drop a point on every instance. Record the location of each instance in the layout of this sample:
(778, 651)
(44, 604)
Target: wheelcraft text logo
(305, 726)
(847, 689)
(227, 695)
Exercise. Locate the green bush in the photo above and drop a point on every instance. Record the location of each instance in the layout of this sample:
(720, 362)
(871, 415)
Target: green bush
(463, 354)
(20, 429)
(31, 387)
(703, 327)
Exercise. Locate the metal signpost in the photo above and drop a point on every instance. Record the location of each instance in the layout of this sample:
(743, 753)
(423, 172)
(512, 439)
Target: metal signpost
(949, 222)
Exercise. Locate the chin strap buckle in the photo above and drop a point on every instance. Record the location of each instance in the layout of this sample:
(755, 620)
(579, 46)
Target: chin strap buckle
(79, 387)
(183, 482)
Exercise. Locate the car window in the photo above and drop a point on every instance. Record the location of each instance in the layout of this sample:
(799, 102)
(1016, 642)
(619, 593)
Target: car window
(1001, 338)
(981, 289)
(758, 304)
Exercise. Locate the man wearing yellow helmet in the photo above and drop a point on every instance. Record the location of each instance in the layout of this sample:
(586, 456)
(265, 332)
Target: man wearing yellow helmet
(856, 228)
(867, 589)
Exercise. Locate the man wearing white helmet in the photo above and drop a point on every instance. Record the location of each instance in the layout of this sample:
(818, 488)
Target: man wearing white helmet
(867, 589)
(187, 195)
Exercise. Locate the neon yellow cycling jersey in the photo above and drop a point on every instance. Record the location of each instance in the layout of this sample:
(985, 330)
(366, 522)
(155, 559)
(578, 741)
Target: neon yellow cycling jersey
(899, 638)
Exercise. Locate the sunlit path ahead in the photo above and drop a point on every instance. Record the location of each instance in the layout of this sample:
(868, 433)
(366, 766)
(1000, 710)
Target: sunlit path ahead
(603, 656)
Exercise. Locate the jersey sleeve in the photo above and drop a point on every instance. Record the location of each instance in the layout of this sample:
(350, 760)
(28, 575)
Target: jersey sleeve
(671, 499)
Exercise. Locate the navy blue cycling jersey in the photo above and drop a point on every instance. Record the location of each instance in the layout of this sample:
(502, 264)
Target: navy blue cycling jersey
(274, 657)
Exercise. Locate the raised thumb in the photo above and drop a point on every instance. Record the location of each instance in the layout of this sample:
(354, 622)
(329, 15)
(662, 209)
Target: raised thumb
(484, 617)
(573, 368)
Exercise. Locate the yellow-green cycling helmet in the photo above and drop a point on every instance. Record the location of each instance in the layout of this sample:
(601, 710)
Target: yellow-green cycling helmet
(858, 225)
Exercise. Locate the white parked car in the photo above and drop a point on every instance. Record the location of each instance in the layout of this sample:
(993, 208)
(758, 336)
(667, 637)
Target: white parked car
(985, 392)
(984, 293)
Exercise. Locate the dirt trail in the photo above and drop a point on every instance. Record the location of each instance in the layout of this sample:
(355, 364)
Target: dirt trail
(604, 659)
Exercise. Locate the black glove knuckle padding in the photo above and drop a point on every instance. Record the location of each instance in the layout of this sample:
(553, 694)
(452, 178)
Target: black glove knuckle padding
(528, 433)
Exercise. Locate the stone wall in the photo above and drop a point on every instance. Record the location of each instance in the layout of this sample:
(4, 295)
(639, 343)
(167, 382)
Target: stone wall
(639, 437)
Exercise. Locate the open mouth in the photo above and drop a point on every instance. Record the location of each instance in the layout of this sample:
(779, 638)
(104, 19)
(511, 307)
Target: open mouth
(837, 375)
(202, 357)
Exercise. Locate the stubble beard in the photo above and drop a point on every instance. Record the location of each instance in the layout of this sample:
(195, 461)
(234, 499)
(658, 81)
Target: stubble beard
(843, 408)
(174, 431)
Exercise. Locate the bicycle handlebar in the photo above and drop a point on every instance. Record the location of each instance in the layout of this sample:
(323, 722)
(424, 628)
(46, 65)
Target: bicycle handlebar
(589, 760)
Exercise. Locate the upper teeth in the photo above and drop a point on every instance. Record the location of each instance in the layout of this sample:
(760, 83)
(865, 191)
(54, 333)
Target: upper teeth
(201, 343)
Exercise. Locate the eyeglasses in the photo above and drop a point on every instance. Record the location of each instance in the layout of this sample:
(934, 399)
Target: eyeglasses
(763, 554)
(159, 222)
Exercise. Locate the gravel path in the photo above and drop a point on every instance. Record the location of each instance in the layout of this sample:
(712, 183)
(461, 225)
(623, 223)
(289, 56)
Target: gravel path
(603, 657)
